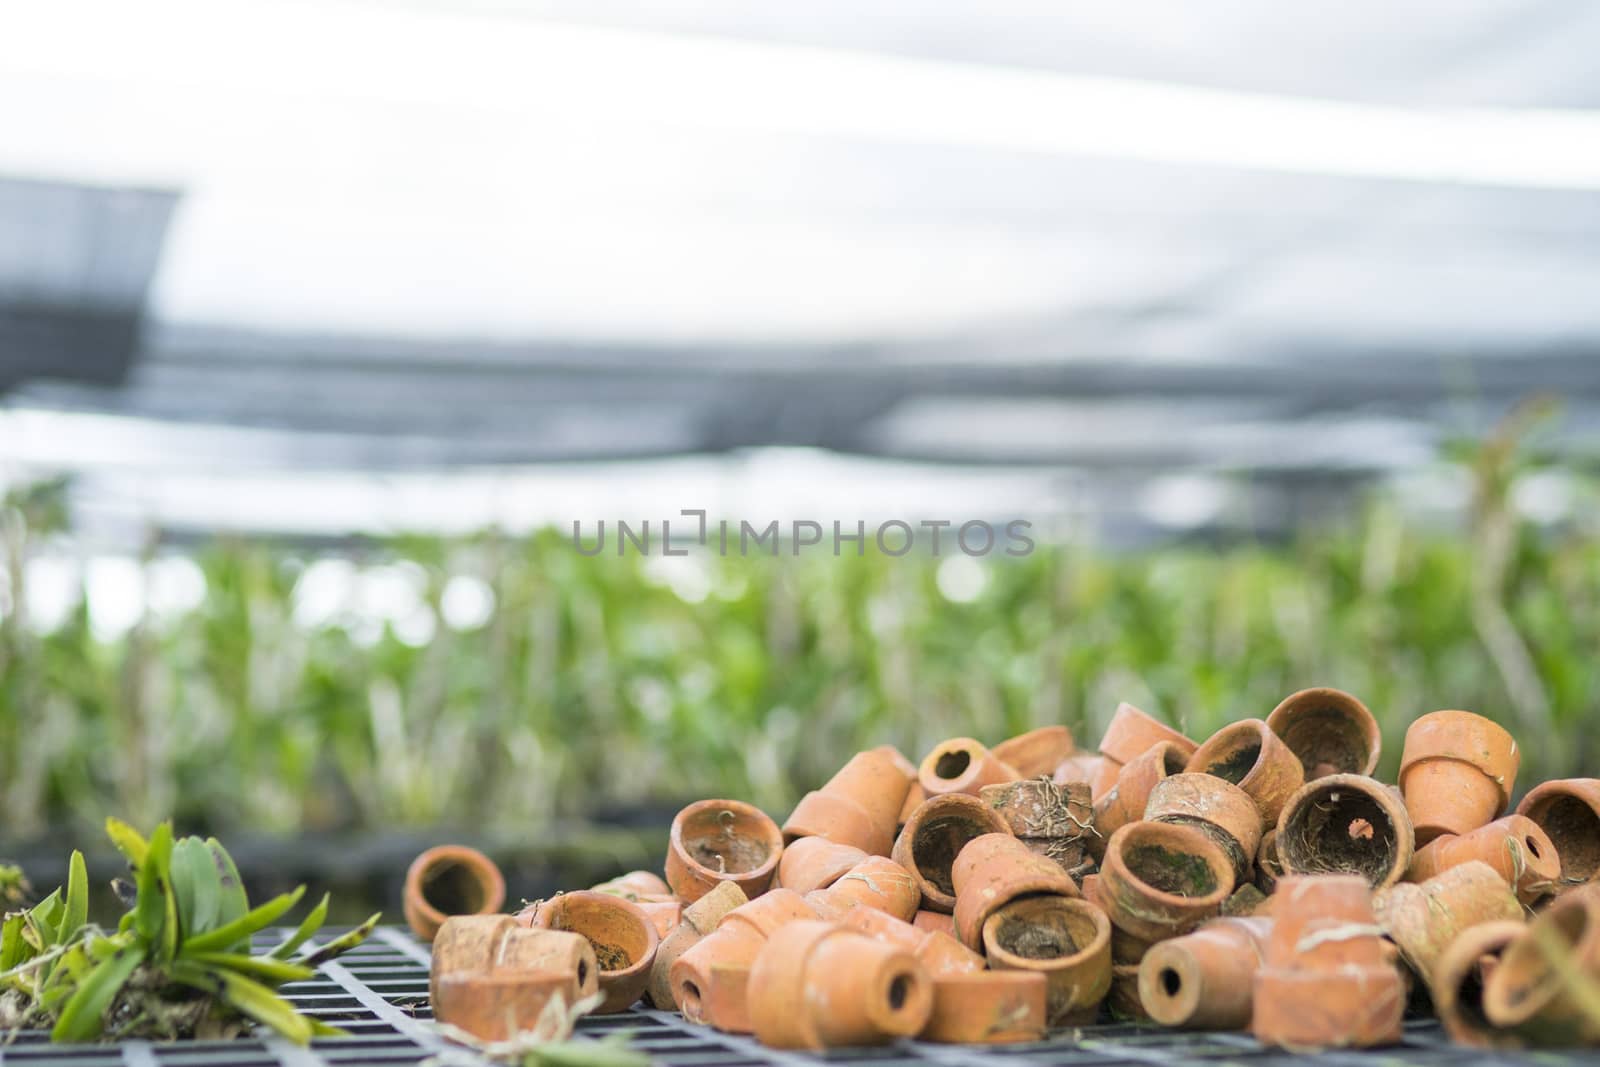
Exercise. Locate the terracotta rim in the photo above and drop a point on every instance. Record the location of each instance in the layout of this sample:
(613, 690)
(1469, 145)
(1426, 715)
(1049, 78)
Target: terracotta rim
(1175, 838)
(1079, 909)
(1365, 831)
(483, 878)
(1302, 719)
(756, 825)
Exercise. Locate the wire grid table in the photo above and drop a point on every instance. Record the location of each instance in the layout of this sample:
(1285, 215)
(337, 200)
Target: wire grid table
(379, 994)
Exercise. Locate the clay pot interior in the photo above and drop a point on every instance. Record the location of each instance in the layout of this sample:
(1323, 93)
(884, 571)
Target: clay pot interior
(1037, 928)
(618, 943)
(1169, 871)
(1331, 731)
(1525, 980)
(1340, 830)
(1234, 760)
(1575, 829)
(727, 841)
(937, 842)
(454, 887)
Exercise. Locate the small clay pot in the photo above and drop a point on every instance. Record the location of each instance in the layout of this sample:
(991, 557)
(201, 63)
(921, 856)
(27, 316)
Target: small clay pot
(818, 985)
(987, 1008)
(1568, 811)
(1066, 940)
(716, 841)
(816, 863)
(496, 1005)
(914, 799)
(1039, 808)
(698, 920)
(1514, 846)
(1269, 868)
(1458, 985)
(1330, 731)
(1423, 918)
(623, 937)
(1160, 880)
(1310, 1010)
(1204, 980)
(993, 870)
(935, 920)
(1217, 808)
(1324, 922)
(664, 913)
(961, 765)
(1345, 824)
(935, 836)
(1527, 992)
(875, 882)
(1131, 731)
(709, 979)
(450, 880)
(1252, 757)
(480, 944)
(1457, 772)
(1127, 799)
(939, 952)
(635, 885)
(1082, 767)
(1037, 752)
(859, 806)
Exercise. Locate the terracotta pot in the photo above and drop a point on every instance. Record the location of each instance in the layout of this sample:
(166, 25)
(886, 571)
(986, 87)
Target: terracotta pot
(914, 799)
(1345, 824)
(1514, 846)
(1458, 984)
(480, 944)
(961, 765)
(1036, 753)
(716, 841)
(939, 952)
(991, 872)
(1423, 918)
(987, 1008)
(1217, 808)
(698, 920)
(1123, 1000)
(1305, 1011)
(708, 980)
(816, 863)
(496, 1006)
(859, 806)
(1131, 731)
(450, 880)
(1160, 880)
(1204, 980)
(935, 920)
(635, 885)
(1245, 902)
(1127, 799)
(1330, 731)
(1528, 993)
(875, 882)
(1457, 772)
(623, 937)
(1324, 922)
(1038, 808)
(1568, 811)
(818, 985)
(664, 913)
(1066, 940)
(1082, 767)
(1269, 868)
(1252, 757)
(936, 834)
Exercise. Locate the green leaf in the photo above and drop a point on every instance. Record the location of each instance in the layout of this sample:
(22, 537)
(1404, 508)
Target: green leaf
(44, 921)
(81, 1016)
(197, 885)
(225, 937)
(322, 1029)
(11, 944)
(247, 997)
(342, 944)
(155, 885)
(76, 912)
(261, 968)
(128, 841)
(234, 902)
(308, 926)
(613, 1051)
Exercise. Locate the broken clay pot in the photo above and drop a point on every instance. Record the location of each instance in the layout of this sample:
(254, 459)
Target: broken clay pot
(481, 944)
(1036, 753)
(819, 985)
(623, 937)
(450, 880)
(1126, 800)
(716, 841)
(1204, 980)
(1127, 735)
(1458, 985)
(1568, 811)
(1066, 940)
(875, 882)
(1345, 824)
(1216, 807)
(937, 832)
(1457, 772)
(939, 952)
(859, 806)
(1160, 880)
(987, 1007)
(816, 863)
(961, 765)
(1529, 993)
(1329, 730)
(1513, 845)
(993, 870)
(1252, 757)
(698, 920)
(709, 979)
(1423, 918)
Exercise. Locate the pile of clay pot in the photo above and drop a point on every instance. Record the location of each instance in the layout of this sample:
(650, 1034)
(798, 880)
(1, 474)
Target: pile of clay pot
(1260, 880)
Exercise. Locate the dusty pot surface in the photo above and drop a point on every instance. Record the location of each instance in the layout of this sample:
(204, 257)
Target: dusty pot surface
(987, 1007)
(935, 836)
(635, 885)
(1457, 772)
(1160, 880)
(1037, 752)
(1218, 808)
(497, 1005)
(480, 944)
(859, 806)
(1458, 983)
(1066, 940)
(708, 980)
(1304, 1011)
(1252, 757)
(1568, 811)
(1325, 922)
(1039, 808)
(936, 950)
(698, 920)
(816, 863)
(1514, 846)
(819, 985)
(1204, 980)
(1126, 800)
(722, 841)
(1529, 993)
(1423, 918)
(623, 937)
(875, 882)
(993, 870)
(961, 765)
(450, 880)
(1330, 731)
(1345, 823)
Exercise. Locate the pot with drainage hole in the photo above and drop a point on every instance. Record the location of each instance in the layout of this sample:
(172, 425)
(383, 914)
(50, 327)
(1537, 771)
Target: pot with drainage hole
(1345, 824)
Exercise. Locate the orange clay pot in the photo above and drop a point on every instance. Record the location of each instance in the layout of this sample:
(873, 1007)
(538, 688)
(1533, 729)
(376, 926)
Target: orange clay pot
(914, 798)
(1204, 980)
(1127, 735)
(1217, 808)
(480, 944)
(1330, 731)
(1527, 993)
(939, 952)
(1423, 918)
(816, 863)
(1082, 767)
(934, 920)
(635, 885)
(935, 835)
(961, 765)
(993, 870)
(1036, 753)
(664, 913)
(722, 841)
(987, 1008)
(1269, 868)
(1039, 808)
(450, 880)
(1066, 940)
(1514, 846)
(859, 806)
(1457, 772)
(875, 882)
(698, 920)
(709, 979)
(1345, 823)
(1324, 922)
(818, 985)
(624, 940)
(1568, 811)
(1126, 800)
(1252, 757)
(496, 1006)
(1458, 984)
(1160, 880)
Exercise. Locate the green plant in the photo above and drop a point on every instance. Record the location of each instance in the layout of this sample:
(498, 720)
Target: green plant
(180, 962)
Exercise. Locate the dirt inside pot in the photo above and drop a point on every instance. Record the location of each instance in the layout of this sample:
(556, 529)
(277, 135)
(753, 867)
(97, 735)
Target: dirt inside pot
(1572, 826)
(610, 957)
(1042, 933)
(952, 764)
(1235, 764)
(719, 841)
(1180, 873)
(937, 843)
(1340, 831)
(453, 889)
(1327, 741)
